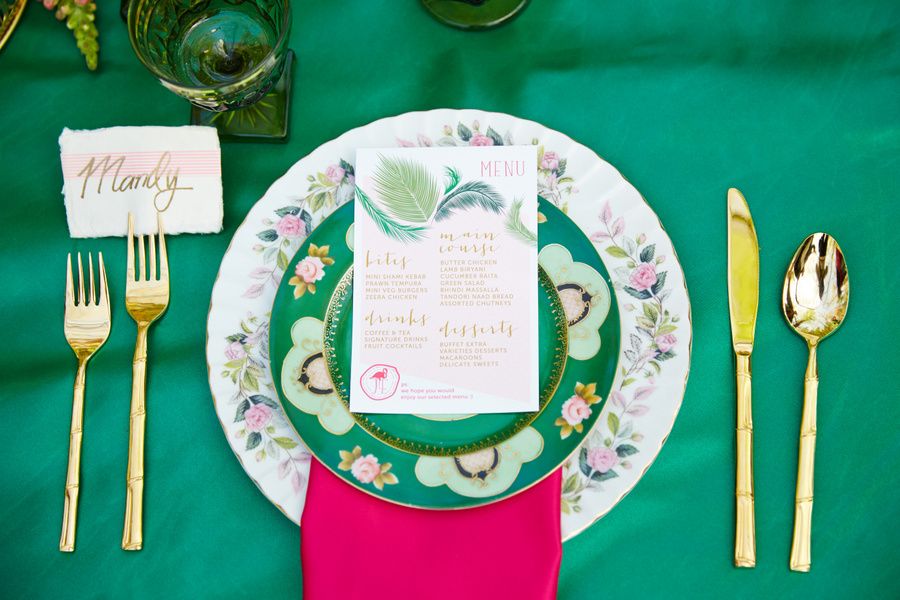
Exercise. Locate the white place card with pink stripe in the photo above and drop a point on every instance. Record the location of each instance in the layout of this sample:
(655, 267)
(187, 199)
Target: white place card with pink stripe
(110, 172)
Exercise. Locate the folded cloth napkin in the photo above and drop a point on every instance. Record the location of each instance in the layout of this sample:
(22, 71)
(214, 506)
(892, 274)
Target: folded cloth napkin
(108, 173)
(357, 546)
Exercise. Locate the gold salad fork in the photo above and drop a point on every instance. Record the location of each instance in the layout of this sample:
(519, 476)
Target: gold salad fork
(146, 298)
(86, 327)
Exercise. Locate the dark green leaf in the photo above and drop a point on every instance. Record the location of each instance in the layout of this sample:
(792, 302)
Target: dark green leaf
(288, 210)
(665, 355)
(241, 409)
(648, 252)
(237, 337)
(561, 169)
(253, 440)
(640, 295)
(624, 450)
(260, 399)
(452, 179)
(347, 167)
(660, 282)
(269, 235)
(469, 195)
(464, 132)
(498, 141)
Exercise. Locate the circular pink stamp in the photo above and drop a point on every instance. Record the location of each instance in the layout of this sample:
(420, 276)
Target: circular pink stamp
(380, 381)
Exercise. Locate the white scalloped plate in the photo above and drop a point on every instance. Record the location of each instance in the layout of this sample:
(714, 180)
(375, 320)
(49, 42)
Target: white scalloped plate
(649, 287)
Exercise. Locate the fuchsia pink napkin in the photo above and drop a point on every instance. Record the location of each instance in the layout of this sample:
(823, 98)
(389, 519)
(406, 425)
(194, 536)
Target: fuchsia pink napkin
(356, 546)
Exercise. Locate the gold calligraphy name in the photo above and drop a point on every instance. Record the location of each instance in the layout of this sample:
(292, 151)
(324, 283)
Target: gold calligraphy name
(388, 259)
(162, 177)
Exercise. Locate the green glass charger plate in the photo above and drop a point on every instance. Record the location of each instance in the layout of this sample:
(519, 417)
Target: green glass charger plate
(444, 461)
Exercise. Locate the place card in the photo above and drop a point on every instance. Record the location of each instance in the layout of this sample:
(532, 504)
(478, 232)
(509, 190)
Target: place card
(108, 173)
(445, 281)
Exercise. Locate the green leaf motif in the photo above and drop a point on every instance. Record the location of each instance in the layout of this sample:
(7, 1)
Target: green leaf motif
(464, 132)
(648, 252)
(288, 210)
(660, 282)
(389, 227)
(616, 251)
(269, 235)
(286, 443)
(613, 421)
(406, 188)
(453, 179)
(253, 440)
(624, 450)
(498, 141)
(639, 294)
(260, 399)
(516, 227)
(470, 195)
(241, 409)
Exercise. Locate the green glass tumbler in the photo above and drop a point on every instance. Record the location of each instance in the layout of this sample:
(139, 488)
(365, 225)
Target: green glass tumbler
(229, 58)
(474, 14)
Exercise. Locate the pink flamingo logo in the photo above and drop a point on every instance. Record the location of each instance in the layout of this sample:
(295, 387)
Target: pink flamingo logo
(380, 381)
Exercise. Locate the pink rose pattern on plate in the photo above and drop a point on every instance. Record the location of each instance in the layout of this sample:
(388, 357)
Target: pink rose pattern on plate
(366, 468)
(247, 353)
(651, 343)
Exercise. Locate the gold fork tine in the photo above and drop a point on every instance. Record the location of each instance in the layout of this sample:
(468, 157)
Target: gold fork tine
(129, 269)
(70, 289)
(163, 258)
(151, 246)
(91, 271)
(142, 267)
(80, 282)
(103, 299)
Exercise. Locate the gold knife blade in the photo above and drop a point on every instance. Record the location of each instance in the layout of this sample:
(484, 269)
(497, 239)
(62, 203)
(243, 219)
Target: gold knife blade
(743, 299)
(743, 272)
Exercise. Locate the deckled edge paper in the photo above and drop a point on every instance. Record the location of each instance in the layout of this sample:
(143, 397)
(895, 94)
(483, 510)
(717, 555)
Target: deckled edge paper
(110, 172)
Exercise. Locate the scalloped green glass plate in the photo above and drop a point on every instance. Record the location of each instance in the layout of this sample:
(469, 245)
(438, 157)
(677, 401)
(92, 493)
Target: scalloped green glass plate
(445, 462)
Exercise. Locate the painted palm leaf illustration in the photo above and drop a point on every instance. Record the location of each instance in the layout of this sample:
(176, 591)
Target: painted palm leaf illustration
(406, 189)
(515, 225)
(399, 231)
(472, 194)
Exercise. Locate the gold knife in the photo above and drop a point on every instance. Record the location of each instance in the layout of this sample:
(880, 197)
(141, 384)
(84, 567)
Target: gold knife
(743, 297)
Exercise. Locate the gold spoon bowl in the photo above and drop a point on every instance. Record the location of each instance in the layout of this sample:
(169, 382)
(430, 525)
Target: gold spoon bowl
(815, 299)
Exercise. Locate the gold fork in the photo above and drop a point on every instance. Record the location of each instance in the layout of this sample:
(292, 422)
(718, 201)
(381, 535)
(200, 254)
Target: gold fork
(146, 298)
(87, 327)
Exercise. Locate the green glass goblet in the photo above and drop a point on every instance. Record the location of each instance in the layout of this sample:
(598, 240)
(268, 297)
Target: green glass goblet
(474, 14)
(229, 58)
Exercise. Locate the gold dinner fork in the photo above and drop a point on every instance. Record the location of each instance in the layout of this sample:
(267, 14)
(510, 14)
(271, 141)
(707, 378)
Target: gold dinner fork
(86, 327)
(146, 298)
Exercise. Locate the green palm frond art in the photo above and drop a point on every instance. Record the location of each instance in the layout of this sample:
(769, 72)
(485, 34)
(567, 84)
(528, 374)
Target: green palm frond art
(452, 178)
(398, 231)
(516, 227)
(470, 195)
(406, 189)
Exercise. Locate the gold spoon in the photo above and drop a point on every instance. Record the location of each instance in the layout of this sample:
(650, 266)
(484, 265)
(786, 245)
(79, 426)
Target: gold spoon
(815, 298)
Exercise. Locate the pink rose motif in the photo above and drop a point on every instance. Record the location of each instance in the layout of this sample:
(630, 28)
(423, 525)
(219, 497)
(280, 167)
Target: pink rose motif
(550, 161)
(335, 173)
(575, 410)
(235, 351)
(365, 468)
(479, 139)
(290, 226)
(310, 269)
(602, 459)
(643, 277)
(666, 342)
(257, 417)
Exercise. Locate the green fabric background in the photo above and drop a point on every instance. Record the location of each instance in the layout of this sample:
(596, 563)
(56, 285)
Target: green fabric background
(796, 103)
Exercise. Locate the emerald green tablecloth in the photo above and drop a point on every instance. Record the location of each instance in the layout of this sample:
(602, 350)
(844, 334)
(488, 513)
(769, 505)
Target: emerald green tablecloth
(796, 103)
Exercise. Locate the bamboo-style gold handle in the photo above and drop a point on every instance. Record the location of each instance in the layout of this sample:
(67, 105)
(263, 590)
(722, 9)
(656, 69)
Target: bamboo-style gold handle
(132, 536)
(803, 504)
(73, 471)
(745, 528)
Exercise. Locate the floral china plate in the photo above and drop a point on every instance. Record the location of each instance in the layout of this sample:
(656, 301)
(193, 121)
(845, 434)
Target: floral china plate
(432, 461)
(648, 287)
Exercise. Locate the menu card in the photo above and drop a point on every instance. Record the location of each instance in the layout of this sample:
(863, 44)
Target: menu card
(445, 281)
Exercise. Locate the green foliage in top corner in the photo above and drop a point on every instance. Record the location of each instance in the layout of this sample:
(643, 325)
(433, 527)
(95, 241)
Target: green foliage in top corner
(79, 18)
